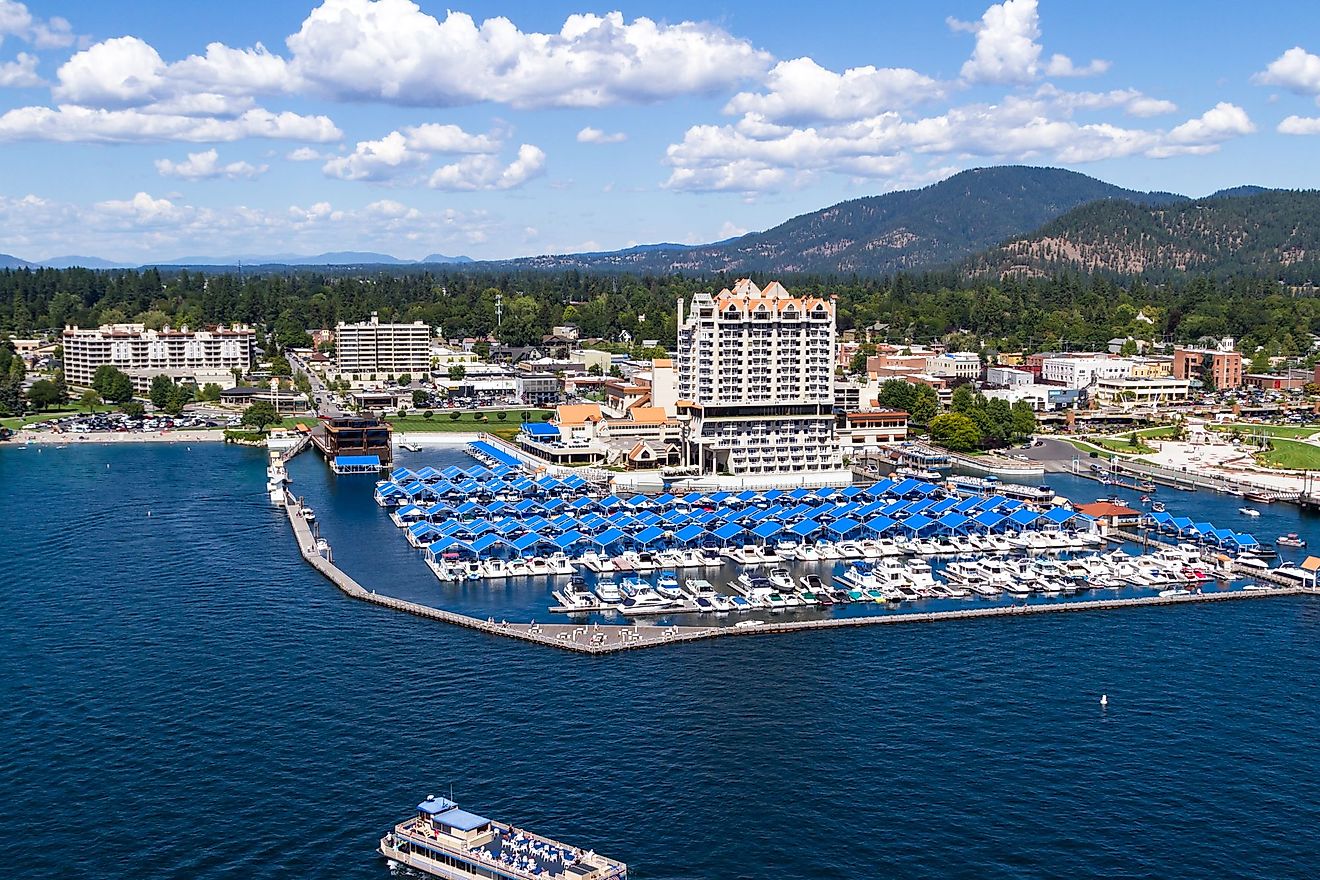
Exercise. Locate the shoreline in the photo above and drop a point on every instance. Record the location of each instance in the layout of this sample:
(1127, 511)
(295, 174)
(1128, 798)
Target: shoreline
(50, 438)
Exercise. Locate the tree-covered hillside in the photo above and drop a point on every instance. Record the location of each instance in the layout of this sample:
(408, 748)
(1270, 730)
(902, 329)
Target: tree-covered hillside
(1271, 233)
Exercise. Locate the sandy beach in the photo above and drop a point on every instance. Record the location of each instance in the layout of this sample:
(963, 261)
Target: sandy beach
(51, 438)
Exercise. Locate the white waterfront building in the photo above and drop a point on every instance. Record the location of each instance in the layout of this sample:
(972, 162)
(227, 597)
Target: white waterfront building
(756, 385)
(373, 348)
(199, 356)
(1079, 372)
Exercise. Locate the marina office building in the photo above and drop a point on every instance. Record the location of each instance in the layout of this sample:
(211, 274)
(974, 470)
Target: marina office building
(756, 385)
(199, 356)
(375, 349)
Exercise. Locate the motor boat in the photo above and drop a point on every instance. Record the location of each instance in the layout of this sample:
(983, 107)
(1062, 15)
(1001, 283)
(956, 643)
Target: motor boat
(1247, 511)
(781, 578)
(667, 586)
(607, 590)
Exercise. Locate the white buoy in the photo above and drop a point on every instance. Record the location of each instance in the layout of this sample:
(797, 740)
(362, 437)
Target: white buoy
(1104, 699)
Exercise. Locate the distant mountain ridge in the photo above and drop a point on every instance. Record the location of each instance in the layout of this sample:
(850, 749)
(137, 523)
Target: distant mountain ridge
(939, 224)
(1273, 233)
(331, 258)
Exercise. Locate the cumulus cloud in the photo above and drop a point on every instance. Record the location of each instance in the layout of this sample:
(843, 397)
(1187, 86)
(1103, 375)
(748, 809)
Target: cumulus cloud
(1300, 125)
(206, 166)
(1062, 65)
(401, 152)
(749, 158)
(591, 135)
(305, 154)
(1296, 70)
(146, 226)
(17, 21)
(89, 125)
(801, 90)
(390, 50)
(19, 73)
(1130, 101)
(487, 171)
(1007, 48)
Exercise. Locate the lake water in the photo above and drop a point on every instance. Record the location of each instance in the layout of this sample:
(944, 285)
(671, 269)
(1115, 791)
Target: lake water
(184, 698)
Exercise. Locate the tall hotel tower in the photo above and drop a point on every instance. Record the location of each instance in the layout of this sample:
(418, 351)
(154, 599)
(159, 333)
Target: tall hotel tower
(756, 382)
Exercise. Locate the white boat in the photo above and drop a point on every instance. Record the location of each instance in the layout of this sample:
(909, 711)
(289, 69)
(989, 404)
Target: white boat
(1247, 511)
(781, 578)
(667, 585)
(607, 590)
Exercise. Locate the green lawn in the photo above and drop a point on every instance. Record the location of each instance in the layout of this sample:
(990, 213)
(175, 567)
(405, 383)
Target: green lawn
(467, 422)
(1291, 454)
(1285, 431)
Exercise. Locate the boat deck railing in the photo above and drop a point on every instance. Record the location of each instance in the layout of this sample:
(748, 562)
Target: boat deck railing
(415, 829)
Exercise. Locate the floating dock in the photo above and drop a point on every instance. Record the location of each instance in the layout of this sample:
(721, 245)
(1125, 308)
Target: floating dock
(608, 639)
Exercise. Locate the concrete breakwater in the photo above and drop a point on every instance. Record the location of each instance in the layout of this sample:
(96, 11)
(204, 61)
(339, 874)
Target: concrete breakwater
(607, 639)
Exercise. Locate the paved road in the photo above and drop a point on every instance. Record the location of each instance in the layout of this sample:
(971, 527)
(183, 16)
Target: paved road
(325, 405)
(1054, 454)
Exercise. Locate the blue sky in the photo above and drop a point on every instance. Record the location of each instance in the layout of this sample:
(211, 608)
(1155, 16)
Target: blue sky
(137, 131)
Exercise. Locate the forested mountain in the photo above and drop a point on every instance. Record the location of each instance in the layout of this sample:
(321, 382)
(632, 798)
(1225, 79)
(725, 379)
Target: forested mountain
(939, 224)
(1271, 233)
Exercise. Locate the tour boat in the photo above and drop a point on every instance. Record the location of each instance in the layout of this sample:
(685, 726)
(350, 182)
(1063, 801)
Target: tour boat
(443, 840)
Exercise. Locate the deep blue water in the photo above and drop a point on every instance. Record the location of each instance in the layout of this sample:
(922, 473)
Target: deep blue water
(185, 699)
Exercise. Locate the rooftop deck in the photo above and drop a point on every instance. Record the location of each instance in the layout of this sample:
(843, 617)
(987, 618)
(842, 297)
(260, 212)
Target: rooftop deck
(513, 851)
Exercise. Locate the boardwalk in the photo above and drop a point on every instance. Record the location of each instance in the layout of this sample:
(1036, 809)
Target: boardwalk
(607, 639)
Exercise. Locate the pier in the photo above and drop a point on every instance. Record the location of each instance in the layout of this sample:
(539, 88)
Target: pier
(610, 638)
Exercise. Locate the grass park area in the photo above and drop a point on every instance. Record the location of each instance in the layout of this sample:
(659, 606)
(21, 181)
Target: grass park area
(1291, 454)
(1122, 443)
(1287, 432)
(468, 422)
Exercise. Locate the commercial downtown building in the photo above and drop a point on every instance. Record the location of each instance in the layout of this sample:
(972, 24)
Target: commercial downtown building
(756, 386)
(199, 356)
(374, 349)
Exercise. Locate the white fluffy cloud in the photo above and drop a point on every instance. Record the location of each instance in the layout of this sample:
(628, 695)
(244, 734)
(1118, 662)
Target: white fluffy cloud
(591, 135)
(1007, 48)
(389, 50)
(206, 166)
(19, 73)
(149, 227)
(1296, 69)
(801, 91)
(17, 21)
(747, 158)
(400, 153)
(1300, 125)
(488, 172)
(88, 125)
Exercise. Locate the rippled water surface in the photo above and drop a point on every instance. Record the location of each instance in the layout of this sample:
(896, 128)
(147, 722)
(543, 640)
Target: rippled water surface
(184, 698)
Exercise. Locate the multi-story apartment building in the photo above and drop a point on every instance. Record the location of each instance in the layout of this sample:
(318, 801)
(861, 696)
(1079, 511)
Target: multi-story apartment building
(956, 365)
(756, 378)
(1080, 372)
(373, 348)
(193, 355)
(1223, 368)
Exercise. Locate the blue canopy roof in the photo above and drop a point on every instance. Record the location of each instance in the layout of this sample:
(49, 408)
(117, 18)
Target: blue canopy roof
(573, 481)
(728, 530)
(877, 489)
(1058, 515)
(568, 539)
(906, 487)
(484, 542)
(804, 528)
(894, 507)
(357, 461)
(952, 520)
(968, 504)
(1204, 528)
(687, 534)
(609, 536)
(747, 495)
(1181, 523)
(916, 523)
(528, 540)
(943, 505)
(767, 530)
(434, 805)
(540, 429)
(611, 501)
(843, 526)
(582, 503)
(401, 474)
(720, 496)
(650, 535)
(1023, 517)
(773, 494)
(799, 494)
(462, 820)
(988, 519)
(663, 500)
(1161, 518)
(867, 509)
(694, 498)
(852, 491)
(878, 524)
